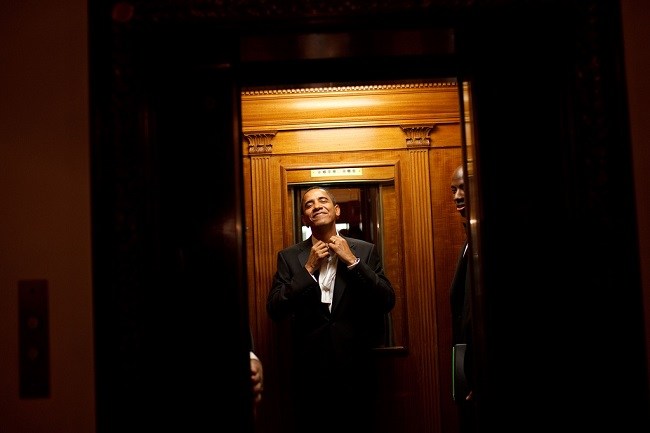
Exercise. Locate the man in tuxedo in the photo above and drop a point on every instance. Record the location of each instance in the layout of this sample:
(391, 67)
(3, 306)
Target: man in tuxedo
(336, 295)
(462, 319)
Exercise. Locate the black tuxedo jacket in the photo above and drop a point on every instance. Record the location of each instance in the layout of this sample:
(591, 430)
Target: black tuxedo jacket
(362, 297)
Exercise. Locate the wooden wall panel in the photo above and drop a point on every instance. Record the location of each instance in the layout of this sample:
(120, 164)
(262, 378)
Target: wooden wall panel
(415, 146)
(350, 106)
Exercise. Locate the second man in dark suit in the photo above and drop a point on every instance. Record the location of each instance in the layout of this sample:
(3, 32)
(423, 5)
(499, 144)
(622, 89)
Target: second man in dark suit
(463, 371)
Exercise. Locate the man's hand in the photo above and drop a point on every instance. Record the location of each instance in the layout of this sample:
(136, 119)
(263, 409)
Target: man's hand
(319, 252)
(257, 379)
(340, 246)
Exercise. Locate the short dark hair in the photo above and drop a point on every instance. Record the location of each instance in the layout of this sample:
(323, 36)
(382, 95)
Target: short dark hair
(327, 191)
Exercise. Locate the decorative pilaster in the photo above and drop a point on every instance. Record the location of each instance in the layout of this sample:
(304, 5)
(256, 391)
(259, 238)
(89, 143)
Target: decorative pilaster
(260, 149)
(421, 259)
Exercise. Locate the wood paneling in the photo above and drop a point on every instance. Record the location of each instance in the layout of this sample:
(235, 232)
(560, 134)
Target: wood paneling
(406, 136)
(350, 106)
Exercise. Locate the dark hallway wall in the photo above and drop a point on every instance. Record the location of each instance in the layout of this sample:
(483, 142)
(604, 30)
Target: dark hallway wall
(45, 207)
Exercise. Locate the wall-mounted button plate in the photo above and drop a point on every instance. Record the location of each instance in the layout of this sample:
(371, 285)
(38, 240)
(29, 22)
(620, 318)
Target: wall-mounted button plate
(34, 340)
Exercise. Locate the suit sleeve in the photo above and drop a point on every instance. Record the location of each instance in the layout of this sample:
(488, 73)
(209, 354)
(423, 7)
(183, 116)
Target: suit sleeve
(370, 273)
(291, 285)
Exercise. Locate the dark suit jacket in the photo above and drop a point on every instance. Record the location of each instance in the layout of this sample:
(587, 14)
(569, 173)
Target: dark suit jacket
(362, 296)
(462, 325)
(461, 318)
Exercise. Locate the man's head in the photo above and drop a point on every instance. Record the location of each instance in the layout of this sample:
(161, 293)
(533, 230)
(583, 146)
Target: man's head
(319, 208)
(458, 190)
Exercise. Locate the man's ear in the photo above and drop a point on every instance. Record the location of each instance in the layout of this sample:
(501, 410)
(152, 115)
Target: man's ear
(337, 210)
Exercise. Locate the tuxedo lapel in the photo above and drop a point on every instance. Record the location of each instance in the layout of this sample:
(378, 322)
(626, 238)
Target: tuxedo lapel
(340, 283)
(303, 254)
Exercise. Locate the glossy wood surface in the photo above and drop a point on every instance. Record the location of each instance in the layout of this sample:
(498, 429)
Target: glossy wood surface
(407, 136)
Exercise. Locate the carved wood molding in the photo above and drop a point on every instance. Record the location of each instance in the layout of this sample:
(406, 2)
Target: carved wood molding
(260, 143)
(345, 89)
(421, 103)
(417, 136)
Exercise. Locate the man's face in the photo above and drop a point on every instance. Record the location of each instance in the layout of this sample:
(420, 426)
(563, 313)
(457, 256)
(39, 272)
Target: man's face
(458, 192)
(318, 208)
